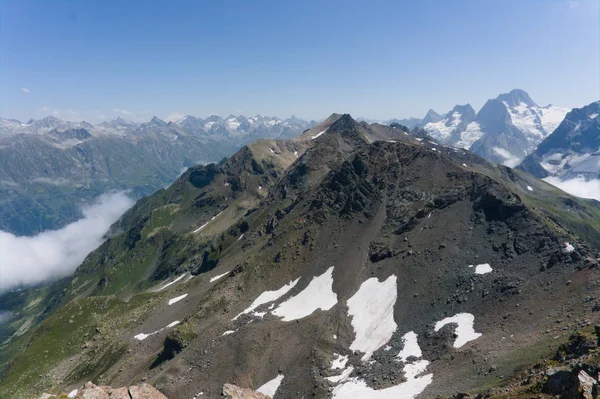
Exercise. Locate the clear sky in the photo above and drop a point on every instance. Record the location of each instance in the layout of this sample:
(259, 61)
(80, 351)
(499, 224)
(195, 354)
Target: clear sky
(96, 60)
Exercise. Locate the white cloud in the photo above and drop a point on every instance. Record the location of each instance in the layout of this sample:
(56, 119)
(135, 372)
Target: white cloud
(122, 111)
(509, 159)
(4, 316)
(174, 116)
(25, 90)
(57, 253)
(578, 187)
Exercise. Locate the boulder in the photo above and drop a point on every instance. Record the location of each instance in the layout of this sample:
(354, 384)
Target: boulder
(145, 391)
(231, 391)
(118, 393)
(586, 384)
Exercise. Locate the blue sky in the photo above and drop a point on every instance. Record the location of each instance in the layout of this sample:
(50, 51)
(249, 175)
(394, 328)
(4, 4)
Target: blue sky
(97, 60)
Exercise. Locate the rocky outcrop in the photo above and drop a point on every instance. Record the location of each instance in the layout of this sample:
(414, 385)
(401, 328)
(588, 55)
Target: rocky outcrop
(92, 391)
(231, 391)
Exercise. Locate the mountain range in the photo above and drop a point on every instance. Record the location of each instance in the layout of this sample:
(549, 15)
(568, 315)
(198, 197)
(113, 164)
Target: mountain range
(572, 150)
(352, 261)
(505, 129)
(51, 167)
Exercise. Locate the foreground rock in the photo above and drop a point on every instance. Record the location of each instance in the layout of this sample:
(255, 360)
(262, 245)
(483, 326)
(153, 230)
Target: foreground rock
(234, 392)
(92, 391)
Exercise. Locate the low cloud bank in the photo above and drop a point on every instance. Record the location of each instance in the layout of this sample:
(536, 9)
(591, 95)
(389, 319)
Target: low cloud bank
(578, 187)
(57, 253)
(4, 316)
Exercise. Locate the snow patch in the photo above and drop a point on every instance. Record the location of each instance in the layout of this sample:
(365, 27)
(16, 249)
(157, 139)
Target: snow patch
(269, 296)
(471, 134)
(319, 134)
(411, 346)
(177, 299)
(317, 295)
(483, 268)
(142, 336)
(339, 361)
(356, 388)
(227, 332)
(341, 377)
(372, 312)
(593, 116)
(242, 236)
(215, 278)
(171, 283)
(270, 388)
(529, 188)
(569, 248)
(464, 328)
(73, 393)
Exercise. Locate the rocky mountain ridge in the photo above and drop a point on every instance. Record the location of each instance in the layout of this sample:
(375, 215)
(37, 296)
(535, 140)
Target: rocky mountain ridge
(352, 261)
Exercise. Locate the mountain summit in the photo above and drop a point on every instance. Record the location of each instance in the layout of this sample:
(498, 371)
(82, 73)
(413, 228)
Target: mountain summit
(516, 97)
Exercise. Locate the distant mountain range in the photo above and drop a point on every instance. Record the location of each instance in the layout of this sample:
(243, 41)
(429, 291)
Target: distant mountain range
(51, 167)
(505, 130)
(573, 150)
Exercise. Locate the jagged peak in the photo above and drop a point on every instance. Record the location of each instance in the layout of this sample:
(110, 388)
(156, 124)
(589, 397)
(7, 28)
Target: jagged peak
(157, 121)
(515, 97)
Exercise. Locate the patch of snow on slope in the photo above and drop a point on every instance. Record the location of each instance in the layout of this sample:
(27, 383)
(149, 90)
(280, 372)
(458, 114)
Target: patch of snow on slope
(339, 361)
(171, 283)
(526, 119)
(269, 296)
(73, 393)
(483, 268)
(206, 224)
(270, 388)
(442, 129)
(317, 295)
(177, 299)
(529, 188)
(464, 328)
(569, 248)
(215, 278)
(471, 134)
(142, 336)
(552, 117)
(228, 332)
(593, 116)
(242, 236)
(411, 346)
(341, 377)
(319, 134)
(372, 312)
(201, 227)
(233, 123)
(356, 388)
